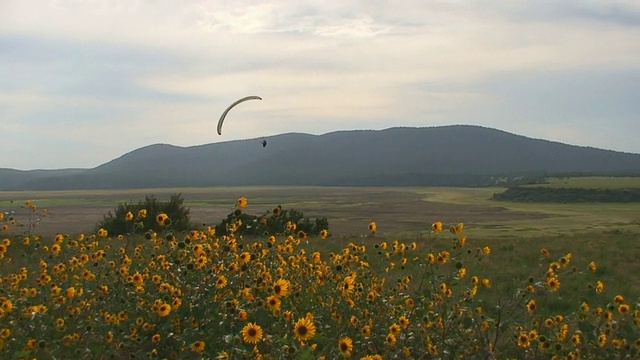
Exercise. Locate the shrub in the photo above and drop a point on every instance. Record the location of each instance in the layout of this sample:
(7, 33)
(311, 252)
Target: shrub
(277, 221)
(143, 216)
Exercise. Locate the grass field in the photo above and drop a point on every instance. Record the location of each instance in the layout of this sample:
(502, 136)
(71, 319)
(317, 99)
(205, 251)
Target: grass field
(406, 274)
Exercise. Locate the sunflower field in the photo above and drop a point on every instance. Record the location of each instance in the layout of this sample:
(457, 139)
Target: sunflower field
(205, 293)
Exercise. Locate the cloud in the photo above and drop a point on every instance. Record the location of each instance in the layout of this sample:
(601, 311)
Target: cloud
(585, 107)
(123, 74)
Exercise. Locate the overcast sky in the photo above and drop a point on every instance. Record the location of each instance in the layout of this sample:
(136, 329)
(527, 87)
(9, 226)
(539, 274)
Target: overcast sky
(83, 82)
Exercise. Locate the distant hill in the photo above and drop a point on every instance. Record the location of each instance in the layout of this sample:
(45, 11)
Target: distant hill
(458, 155)
(15, 179)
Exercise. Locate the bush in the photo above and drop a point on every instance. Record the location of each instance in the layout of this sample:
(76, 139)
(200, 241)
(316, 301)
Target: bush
(275, 222)
(117, 222)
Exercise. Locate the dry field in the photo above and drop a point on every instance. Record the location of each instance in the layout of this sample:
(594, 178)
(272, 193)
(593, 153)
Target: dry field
(405, 212)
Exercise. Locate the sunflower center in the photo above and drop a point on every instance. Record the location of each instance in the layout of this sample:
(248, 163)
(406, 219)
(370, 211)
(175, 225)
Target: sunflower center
(302, 330)
(252, 332)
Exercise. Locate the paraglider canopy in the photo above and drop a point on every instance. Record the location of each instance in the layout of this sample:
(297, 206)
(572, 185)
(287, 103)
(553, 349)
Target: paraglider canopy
(224, 114)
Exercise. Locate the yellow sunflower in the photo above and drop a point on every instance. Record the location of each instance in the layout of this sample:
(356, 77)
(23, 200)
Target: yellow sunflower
(164, 310)
(221, 282)
(584, 307)
(624, 309)
(436, 227)
(404, 321)
(531, 306)
(373, 227)
(304, 329)
(394, 329)
(198, 346)
(523, 340)
(282, 288)
(273, 303)
(242, 202)
(345, 345)
(390, 339)
(252, 333)
(162, 219)
(576, 339)
(553, 283)
(366, 331)
(137, 279)
(287, 315)
(348, 285)
(602, 340)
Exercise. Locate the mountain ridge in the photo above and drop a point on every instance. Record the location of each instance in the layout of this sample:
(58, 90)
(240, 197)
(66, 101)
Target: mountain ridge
(394, 156)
